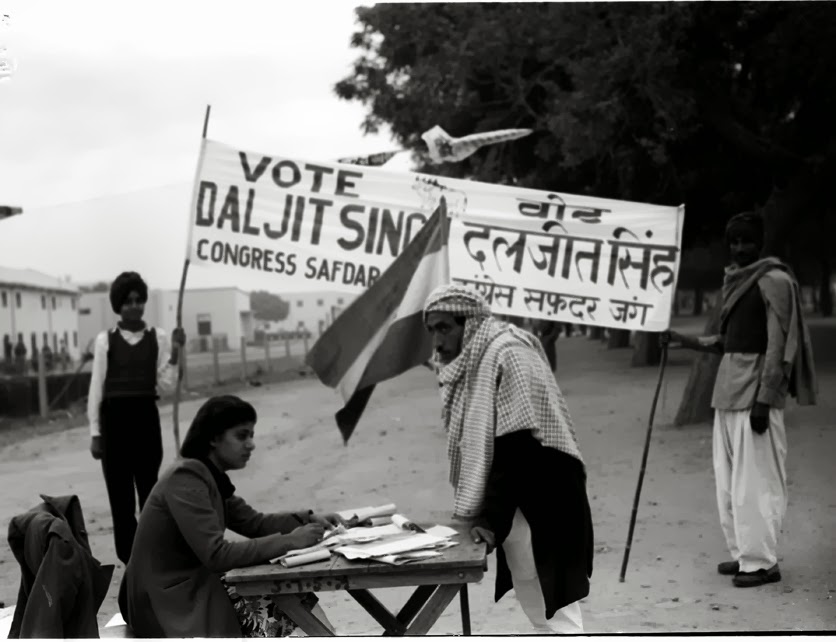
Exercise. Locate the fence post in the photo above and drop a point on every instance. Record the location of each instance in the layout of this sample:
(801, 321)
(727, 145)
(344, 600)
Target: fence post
(215, 360)
(287, 346)
(267, 365)
(243, 358)
(305, 337)
(43, 402)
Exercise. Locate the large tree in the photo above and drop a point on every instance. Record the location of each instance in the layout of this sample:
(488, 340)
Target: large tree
(267, 306)
(721, 106)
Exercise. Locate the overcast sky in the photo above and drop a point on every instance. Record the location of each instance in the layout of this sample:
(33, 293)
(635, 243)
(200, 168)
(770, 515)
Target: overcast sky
(100, 124)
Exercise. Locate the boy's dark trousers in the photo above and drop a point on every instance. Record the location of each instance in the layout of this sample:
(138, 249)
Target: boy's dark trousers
(132, 454)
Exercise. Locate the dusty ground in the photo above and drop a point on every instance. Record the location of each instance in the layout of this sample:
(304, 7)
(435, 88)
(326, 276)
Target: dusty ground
(398, 455)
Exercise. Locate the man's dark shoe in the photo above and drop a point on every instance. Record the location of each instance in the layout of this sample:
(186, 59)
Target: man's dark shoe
(757, 578)
(728, 568)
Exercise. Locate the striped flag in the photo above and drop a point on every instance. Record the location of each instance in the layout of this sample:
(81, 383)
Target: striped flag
(382, 334)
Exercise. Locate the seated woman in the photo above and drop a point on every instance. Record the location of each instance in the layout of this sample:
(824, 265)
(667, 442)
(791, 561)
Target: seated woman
(173, 584)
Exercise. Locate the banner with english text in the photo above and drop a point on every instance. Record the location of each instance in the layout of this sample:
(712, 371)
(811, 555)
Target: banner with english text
(289, 224)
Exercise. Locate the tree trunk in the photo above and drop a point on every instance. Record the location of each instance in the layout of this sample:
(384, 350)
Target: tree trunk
(595, 333)
(825, 289)
(619, 339)
(698, 301)
(695, 406)
(647, 351)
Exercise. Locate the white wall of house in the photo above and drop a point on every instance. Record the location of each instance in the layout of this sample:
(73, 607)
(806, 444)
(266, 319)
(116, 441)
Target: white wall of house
(313, 310)
(222, 312)
(40, 308)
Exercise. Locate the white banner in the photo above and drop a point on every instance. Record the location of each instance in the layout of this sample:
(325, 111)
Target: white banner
(313, 226)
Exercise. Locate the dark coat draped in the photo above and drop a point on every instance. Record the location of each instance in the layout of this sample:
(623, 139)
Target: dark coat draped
(549, 488)
(62, 585)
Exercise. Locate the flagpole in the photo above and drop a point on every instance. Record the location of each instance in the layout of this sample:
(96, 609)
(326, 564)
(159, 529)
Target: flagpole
(644, 464)
(176, 409)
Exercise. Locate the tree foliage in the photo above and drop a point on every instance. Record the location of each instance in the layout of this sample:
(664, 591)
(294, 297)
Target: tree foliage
(721, 106)
(267, 306)
(724, 107)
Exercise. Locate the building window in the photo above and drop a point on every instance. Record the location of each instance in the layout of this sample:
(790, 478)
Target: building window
(299, 304)
(5, 299)
(72, 302)
(83, 312)
(340, 301)
(66, 338)
(34, 339)
(204, 325)
(75, 339)
(54, 341)
(46, 338)
(17, 300)
(43, 302)
(320, 302)
(53, 303)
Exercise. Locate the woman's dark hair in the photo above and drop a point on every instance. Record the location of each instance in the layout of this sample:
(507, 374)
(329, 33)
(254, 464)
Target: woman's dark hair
(216, 416)
(123, 285)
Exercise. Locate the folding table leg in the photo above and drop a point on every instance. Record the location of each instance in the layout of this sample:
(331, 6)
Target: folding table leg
(390, 624)
(464, 602)
(432, 611)
(292, 606)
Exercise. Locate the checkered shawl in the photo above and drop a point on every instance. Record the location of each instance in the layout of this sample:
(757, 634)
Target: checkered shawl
(499, 384)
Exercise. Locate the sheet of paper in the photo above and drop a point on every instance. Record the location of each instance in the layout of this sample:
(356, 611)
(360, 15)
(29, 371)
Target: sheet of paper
(405, 558)
(442, 531)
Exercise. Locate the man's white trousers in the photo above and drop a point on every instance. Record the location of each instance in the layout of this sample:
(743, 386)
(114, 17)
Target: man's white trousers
(520, 558)
(751, 476)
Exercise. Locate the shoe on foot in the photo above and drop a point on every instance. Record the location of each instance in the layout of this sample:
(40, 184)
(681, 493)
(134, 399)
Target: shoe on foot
(757, 578)
(728, 568)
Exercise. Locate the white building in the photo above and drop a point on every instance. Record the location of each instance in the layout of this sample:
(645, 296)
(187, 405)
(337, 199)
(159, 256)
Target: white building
(39, 310)
(312, 311)
(221, 312)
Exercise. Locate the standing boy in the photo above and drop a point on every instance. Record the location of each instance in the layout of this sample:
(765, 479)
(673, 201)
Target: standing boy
(130, 363)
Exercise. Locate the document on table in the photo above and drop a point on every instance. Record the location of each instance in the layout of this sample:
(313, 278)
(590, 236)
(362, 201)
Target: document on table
(411, 542)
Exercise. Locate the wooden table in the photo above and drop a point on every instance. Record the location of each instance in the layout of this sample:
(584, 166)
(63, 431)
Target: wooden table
(437, 581)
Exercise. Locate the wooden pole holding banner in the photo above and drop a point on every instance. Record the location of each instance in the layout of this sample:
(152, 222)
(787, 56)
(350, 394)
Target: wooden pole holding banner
(644, 464)
(176, 409)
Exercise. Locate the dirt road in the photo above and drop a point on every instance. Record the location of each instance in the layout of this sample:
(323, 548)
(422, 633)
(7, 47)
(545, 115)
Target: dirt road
(398, 455)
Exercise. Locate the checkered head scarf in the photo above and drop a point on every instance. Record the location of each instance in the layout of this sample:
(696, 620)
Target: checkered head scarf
(475, 412)
(460, 301)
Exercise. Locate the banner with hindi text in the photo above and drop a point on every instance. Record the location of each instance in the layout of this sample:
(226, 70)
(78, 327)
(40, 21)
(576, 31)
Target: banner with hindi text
(287, 224)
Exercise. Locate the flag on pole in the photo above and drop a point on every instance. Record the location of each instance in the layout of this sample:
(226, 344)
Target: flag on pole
(444, 148)
(381, 334)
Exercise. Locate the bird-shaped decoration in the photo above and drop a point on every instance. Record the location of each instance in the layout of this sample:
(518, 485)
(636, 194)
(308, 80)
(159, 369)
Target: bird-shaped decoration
(444, 148)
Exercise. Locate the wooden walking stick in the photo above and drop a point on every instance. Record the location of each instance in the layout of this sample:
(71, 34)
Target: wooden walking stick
(662, 364)
(176, 410)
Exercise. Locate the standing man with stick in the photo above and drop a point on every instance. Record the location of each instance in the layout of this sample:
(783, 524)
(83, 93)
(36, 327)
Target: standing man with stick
(515, 465)
(766, 354)
(130, 363)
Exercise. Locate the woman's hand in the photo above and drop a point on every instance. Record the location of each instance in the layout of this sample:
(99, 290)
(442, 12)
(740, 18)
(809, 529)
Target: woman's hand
(307, 535)
(328, 520)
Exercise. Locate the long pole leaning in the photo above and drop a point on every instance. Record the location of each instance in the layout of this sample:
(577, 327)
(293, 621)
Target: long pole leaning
(662, 364)
(176, 409)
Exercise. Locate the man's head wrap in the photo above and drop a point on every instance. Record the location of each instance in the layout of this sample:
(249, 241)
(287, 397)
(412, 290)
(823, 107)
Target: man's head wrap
(124, 284)
(458, 300)
(748, 225)
(215, 416)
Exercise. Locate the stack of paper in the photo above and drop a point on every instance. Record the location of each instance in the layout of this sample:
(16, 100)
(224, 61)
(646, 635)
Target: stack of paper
(396, 542)
(402, 547)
